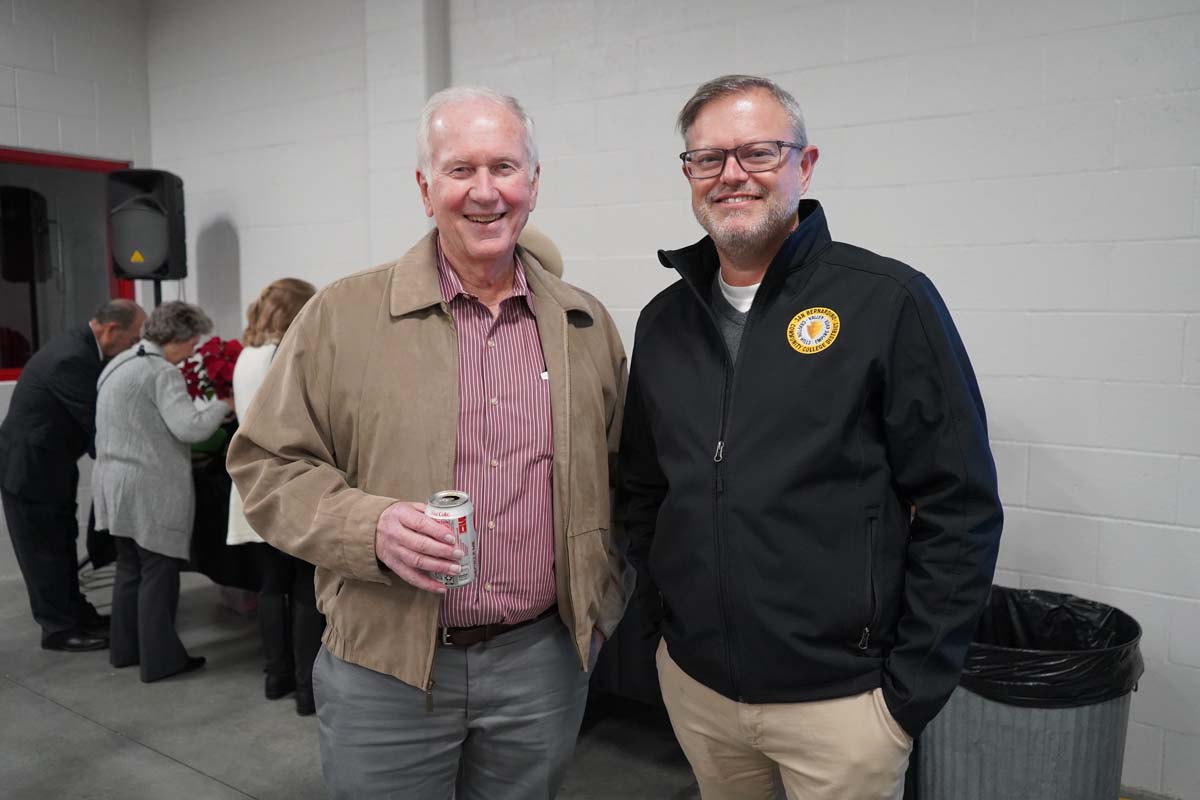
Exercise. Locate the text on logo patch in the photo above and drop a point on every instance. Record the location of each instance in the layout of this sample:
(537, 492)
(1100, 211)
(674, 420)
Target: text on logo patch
(813, 329)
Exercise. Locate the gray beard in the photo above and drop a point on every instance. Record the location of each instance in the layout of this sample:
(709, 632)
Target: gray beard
(746, 242)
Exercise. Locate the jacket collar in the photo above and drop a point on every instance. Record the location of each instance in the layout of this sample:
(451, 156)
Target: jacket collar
(85, 334)
(146, 347)
(698, 262)
(415, 281)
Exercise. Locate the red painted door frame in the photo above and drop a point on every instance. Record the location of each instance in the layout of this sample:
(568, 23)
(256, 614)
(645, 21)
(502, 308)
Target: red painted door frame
(117, 287)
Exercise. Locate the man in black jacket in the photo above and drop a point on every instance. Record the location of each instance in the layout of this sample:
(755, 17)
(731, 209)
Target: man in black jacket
(51, 423)
(805, 476)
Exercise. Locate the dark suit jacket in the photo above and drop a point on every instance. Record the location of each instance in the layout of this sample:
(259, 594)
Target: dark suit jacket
(51, 420)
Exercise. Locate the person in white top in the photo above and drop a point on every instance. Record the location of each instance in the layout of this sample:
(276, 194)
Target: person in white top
(288, 619)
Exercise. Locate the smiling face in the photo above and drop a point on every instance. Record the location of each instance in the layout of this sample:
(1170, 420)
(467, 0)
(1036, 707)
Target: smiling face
(748, 214)
(480, 186)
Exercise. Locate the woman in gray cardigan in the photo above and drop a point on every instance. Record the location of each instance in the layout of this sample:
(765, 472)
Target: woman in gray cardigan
(142, 485)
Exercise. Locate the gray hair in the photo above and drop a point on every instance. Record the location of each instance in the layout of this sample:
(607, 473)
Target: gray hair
(121, 311)
(737, 84)
(460, 94)
(176, 321)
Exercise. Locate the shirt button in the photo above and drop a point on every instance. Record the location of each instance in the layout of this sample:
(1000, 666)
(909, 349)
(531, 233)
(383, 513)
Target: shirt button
(491, 342)
(494, 400)
(487, 587)
(491, 525)
(494, 463)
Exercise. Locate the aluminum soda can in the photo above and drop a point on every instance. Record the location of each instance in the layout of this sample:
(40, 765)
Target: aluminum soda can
(455, 510)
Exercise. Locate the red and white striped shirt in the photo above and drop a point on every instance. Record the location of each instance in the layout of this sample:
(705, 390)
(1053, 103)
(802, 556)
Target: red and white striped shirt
(504, 455)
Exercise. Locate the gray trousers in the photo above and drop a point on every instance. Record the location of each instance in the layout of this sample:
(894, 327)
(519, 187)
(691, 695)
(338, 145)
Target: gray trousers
(505, 715)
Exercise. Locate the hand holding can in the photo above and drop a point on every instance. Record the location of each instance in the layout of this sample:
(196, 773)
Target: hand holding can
(455, 510)
(412, 545)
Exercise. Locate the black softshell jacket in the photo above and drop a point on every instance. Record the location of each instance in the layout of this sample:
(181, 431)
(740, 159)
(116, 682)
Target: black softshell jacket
(769, 500)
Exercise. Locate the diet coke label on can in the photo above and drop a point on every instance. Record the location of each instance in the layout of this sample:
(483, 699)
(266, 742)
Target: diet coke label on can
(454, 509)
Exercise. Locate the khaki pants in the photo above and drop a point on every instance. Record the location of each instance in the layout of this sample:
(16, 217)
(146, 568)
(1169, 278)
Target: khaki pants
(848, 748)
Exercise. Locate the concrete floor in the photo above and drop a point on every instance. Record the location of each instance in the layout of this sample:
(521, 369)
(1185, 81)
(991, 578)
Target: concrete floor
(71, 726)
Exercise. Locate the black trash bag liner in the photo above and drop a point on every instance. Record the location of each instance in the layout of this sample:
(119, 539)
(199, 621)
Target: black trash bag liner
(1049, 650)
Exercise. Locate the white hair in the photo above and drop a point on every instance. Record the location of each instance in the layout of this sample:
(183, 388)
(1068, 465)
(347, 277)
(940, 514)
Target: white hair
(461, 94)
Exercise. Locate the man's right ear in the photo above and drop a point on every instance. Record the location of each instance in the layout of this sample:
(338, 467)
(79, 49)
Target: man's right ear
(423, 185)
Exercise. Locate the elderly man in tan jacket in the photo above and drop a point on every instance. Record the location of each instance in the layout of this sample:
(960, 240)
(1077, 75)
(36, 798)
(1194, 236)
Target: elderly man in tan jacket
(464, 365)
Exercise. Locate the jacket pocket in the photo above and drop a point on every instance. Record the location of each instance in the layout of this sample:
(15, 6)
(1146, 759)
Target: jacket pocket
(587, 552)
(870, 592)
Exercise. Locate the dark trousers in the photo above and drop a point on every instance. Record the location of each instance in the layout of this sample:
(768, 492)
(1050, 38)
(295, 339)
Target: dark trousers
(288, 620)
(145, 599)
(43, 538)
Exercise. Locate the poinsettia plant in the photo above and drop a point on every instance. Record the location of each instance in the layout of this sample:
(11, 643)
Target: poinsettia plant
(209, 371)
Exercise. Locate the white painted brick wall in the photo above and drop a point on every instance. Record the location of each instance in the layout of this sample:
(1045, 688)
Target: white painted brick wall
(1129, 60)
(1034, 17)
(73, 78)
(1111, 483)
(1150, 558)
(1056, 545)
(1169, 697)
(1037, 159)
(1144, 757)
(1191, 355)
(398, 81)
(1189, 491)
(1181, 765)
(261, 108)
(1050, 411)
(1114, 346)
(1185, 635)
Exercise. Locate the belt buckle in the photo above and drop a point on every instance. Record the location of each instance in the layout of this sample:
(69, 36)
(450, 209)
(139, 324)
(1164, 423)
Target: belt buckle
(445, 637)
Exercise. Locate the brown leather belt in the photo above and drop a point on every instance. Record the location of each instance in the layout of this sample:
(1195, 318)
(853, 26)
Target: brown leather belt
(465, 637)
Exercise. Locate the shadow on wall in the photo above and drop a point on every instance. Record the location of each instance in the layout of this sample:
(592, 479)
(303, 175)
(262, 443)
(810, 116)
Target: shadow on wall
(218, 271)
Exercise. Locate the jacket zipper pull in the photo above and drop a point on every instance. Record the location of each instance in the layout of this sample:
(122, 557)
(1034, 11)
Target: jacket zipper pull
(429, 697)
(864, 639)
(719, 456)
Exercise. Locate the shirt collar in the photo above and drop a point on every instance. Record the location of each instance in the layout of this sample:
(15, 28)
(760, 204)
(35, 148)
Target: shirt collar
(451, 286)
(99, 349)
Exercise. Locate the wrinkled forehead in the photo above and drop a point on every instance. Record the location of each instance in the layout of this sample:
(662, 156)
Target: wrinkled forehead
(476, 130)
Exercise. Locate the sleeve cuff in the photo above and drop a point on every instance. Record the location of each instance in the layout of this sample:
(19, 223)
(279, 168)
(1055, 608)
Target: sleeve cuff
(358, 540)
(911, 722)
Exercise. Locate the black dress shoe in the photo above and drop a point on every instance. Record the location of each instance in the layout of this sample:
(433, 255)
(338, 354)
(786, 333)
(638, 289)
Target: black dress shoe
(76, 642)
(193, 663)
(97, 625)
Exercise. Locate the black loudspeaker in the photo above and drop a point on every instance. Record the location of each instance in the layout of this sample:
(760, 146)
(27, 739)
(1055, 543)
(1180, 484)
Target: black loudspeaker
(146, 224)
(24, 235)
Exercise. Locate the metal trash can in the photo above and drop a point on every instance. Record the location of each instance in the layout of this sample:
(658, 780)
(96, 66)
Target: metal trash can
(1042, 709)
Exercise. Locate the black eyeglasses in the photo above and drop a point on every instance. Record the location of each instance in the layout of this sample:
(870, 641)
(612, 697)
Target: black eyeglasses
(708, 162)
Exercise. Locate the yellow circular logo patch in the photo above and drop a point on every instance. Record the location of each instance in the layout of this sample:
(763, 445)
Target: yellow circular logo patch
(813, 329)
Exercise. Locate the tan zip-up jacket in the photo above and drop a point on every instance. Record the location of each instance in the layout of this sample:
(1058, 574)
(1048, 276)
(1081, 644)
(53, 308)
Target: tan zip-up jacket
(360, 409)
